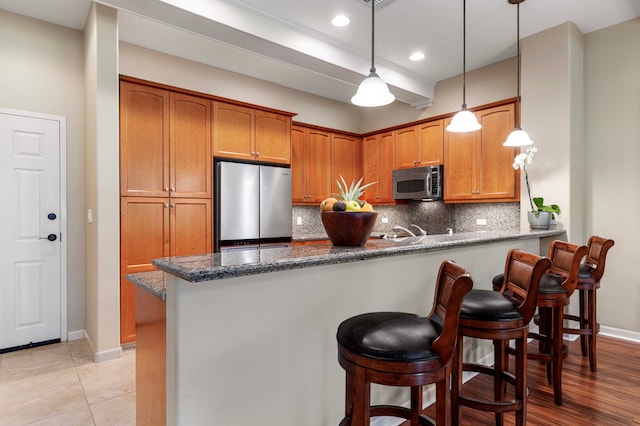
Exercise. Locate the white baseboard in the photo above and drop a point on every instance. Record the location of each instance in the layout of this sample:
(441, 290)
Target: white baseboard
(76, 335)
(619, 333)
(101, 356)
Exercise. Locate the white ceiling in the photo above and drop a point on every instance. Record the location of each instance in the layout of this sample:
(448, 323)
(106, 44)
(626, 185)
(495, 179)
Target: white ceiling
(292, 42)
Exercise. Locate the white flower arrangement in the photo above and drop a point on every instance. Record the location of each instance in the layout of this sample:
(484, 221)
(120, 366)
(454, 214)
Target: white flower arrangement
(537, 203)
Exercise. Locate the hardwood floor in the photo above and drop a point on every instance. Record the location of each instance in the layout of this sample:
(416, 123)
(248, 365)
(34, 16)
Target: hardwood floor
(610, 396)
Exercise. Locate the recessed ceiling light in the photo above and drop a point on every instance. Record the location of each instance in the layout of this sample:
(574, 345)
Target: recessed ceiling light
(417, 56)
(340, 21)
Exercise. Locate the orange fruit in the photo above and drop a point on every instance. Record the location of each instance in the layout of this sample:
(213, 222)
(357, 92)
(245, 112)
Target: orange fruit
(327, 204)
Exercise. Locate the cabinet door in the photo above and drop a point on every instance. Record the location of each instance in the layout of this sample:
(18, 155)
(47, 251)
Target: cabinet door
(318, 166)
(459, 165)
(346, 160)
(430, 143)
(273, 137)
(144, 141)
(190, 152)
(144, 235)
(406, 154)
(496, 177)
(191, 224)
(378, 157)
(233, 131)
(298, 167)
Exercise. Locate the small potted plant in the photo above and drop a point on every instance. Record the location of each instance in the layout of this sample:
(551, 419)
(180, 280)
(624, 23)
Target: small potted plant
(541, 215)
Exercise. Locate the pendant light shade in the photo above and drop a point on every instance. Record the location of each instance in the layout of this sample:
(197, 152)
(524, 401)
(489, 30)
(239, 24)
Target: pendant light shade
(373, 91)
(464, 120)
(518, 137)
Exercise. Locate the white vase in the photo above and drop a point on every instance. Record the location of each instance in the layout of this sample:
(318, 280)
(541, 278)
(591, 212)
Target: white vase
(539, 220)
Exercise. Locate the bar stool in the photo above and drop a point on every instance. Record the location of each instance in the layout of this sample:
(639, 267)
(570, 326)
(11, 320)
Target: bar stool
(500, 316)
(589, 276)
(556, 287)
(402, 349)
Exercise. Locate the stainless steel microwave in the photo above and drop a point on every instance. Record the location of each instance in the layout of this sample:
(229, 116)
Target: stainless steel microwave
(418, 183)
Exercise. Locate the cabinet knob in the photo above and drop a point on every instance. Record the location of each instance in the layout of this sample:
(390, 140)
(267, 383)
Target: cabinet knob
(257, 153)
(166, 205)
(166, 189)
(173, 190)
(172, 205)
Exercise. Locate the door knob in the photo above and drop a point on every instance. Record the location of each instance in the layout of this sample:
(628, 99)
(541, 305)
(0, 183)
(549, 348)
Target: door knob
(50, 237)
(51, 216)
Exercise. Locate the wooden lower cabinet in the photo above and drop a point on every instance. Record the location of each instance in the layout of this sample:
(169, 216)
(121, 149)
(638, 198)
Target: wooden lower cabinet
(151, 359)
(157, 227)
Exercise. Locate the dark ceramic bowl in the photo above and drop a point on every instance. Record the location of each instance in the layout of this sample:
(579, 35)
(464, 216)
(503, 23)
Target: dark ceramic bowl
(348, 228)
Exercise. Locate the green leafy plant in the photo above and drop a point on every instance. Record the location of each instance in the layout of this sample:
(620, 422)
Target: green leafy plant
(351, 192)
(552, 208)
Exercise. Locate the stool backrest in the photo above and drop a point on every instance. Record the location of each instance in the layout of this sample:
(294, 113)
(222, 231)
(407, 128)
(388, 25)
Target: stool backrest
(452, 284)
(565, 258)
(522, 273)
(597, 256)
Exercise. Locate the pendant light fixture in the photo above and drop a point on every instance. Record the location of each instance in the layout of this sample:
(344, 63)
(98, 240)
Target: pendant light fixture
(518, 137)
(373, 91)
(464, 120)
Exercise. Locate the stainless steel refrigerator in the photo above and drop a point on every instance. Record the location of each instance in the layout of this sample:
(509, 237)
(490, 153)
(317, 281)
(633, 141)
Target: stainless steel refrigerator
(252, 205)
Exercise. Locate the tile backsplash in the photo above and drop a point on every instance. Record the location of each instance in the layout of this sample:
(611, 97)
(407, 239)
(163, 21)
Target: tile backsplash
(434, 217)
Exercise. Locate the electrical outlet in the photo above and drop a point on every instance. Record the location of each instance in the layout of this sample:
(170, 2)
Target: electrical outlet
(298, 221)
(90, 216)
(482, 222)
(385, 220)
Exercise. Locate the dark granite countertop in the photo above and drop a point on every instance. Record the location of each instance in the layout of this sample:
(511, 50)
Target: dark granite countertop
(153, 281)
(241, 262)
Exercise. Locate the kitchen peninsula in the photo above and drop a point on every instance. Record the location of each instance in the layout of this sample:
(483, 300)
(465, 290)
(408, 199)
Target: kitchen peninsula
(250, 335)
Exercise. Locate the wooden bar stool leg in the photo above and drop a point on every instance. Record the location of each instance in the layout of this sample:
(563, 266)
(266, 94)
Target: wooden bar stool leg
(456, 385)
(521, 379)
(585, 320)
(360, 414)
(443, 404)
(593, 325)
(558, 344)
(498, 384)
(416, 405)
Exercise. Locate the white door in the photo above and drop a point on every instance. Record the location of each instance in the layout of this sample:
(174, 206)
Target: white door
(30, 230)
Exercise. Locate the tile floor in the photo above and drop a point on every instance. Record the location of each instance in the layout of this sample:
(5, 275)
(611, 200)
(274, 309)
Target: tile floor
(59, 384)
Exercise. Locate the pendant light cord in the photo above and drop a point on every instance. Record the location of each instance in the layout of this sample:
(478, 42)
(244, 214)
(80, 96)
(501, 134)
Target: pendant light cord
(519, 65)
(464, 53)
(373, 6)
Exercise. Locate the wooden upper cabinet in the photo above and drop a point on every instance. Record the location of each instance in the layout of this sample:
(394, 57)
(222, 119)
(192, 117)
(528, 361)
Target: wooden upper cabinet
(346, 160)
(378, 161)
(430, 143)
(190, 147)
(460, 166)
(249, 134)
(310, 165)
(144, 141)
(406, 148)
(165, 143)
(497, 178)
(419, 145)
(273, 137)
(477, 167)
(233, 131)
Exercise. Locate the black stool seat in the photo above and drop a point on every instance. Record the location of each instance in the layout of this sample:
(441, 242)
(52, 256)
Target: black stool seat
(552, 284)
(585, 274)
(395, 336)
(489, 305)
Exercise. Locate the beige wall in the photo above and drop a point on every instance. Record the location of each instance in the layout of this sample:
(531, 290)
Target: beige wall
(612, 151)
(41, 71)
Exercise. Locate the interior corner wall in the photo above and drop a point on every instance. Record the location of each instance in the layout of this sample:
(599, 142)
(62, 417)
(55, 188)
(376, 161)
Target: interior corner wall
(612, 135)
(42, 71)
(102, 182)
(551, 114)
